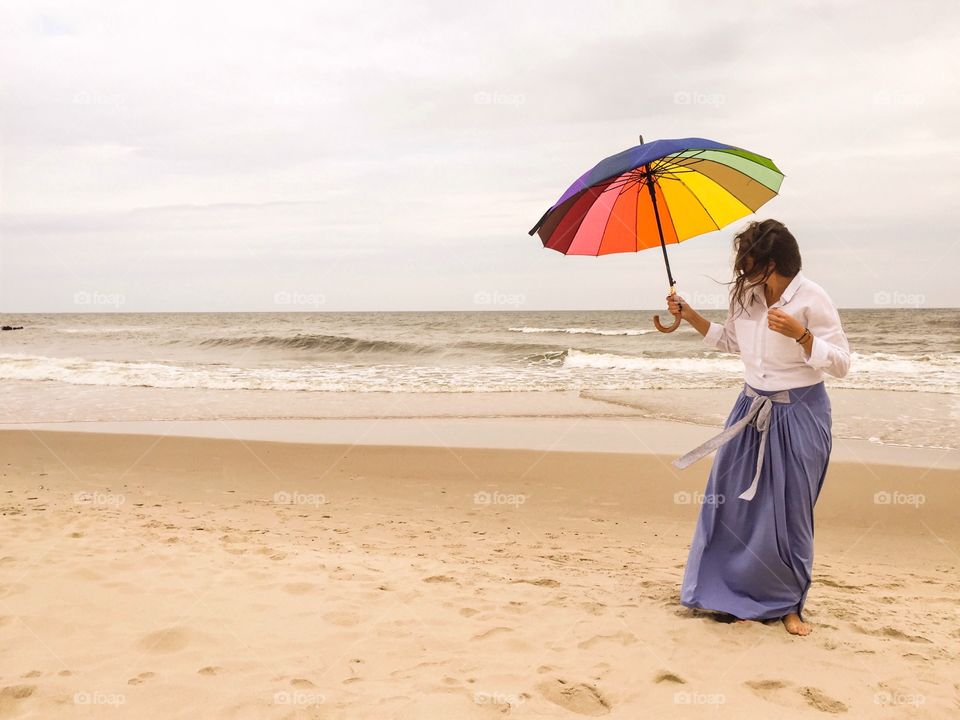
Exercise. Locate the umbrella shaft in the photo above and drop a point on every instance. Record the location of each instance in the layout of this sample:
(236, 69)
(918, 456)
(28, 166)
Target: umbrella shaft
(656, 214)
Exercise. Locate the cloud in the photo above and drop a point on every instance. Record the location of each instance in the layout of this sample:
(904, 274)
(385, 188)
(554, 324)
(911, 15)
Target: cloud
(407, 148)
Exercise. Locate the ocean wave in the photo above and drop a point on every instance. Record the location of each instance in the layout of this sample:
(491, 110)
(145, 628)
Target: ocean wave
(580, 331)
(324, 343)
(327, 377)
(108, 330)
(929, 372)
(727, 365)
(467, 346)
(946, 359)
(560, 370)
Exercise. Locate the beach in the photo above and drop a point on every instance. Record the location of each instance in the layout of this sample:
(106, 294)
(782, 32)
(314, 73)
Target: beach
(160, 576)
(425, 515)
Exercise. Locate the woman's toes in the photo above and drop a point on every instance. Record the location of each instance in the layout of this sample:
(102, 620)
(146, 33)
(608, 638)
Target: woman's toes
(796, 626)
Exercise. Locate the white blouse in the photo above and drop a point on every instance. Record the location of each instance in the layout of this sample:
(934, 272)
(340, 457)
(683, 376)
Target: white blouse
(773, 361)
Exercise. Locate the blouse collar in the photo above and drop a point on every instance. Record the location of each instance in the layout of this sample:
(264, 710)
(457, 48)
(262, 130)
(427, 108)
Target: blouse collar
(786, 296)
(791, 289)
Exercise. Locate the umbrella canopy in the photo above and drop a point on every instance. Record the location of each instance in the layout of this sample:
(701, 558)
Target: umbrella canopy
(658, 193)
(700, 186)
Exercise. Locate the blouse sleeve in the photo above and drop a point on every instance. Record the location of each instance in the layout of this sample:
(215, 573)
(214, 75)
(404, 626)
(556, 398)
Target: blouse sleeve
(830, 351)
(723, 337)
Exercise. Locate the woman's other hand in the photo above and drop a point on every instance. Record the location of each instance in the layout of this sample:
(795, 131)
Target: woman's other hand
(784, 323)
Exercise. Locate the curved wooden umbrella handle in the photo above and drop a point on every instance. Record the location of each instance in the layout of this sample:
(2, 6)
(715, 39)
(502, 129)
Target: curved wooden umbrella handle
(662, 328)
(676, 321)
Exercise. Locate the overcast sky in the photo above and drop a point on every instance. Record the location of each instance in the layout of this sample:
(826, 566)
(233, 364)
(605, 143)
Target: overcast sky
(382, 155)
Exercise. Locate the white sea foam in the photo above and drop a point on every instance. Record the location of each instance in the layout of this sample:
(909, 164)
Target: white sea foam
(580, 331)
(569, 370)
(727, 365)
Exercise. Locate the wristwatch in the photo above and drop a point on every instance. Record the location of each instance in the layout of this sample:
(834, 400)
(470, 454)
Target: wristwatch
(802, 338)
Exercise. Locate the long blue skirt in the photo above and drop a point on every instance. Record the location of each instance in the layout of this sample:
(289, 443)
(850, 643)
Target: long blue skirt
(753, 558)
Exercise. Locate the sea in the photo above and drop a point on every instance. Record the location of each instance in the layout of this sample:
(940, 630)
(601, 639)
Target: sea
(893, 351)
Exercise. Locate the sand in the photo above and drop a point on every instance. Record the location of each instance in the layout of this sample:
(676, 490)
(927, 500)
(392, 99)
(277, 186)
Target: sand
(166, 577)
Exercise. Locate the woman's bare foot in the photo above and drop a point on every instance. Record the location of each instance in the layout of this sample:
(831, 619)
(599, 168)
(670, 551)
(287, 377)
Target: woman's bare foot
(796, 626)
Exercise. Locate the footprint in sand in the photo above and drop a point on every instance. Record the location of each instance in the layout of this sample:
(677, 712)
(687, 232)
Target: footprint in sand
(766, 689)
(667, 676)
(17, 692)
(210, 670)
(542, 582)
(141, 678)
(439, 579)
(818, 700)
(890, 632)
(519, 607)
(342, 618)
(408, 673)
(772, 690)
(10, 698)
(620, 638)
(579, 698)
(830, 582)
(169, 640)
(299, 588)
(594, 608)
(491, 632)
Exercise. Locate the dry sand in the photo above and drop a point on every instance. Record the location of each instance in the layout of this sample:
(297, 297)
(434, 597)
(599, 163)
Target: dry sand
(158, 577)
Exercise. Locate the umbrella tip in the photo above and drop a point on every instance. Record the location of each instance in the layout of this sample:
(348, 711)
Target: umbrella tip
(641, 139)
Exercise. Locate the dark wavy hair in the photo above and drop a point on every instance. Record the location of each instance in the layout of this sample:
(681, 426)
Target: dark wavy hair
(762, 248)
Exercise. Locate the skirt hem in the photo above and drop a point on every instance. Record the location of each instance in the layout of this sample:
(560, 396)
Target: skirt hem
(769, 615)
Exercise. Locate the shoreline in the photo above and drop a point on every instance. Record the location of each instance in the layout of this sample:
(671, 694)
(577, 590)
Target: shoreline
(916, 422)
(629, 434)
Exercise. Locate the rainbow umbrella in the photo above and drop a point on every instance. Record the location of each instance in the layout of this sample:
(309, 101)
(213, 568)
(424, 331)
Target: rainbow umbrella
(664, 191)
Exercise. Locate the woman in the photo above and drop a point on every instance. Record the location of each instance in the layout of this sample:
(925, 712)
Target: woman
(752, 552)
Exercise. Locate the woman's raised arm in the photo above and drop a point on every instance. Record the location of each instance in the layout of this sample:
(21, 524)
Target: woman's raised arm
(722, 337)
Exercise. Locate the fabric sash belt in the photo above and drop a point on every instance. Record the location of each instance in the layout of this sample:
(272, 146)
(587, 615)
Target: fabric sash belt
(759, 416)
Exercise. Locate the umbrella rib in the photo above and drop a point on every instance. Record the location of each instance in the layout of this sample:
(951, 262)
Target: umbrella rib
(667, 174)
(636, 220)
(684, 161)
(671, 171)
(655, 166)
(698, 161)
(700, 203)
(733, 194)
(739, 199)
(623, 184)
(627, 183)
(605, 224)
(675, 162)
